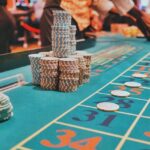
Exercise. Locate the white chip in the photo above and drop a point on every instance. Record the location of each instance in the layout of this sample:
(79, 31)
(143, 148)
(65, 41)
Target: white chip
(50, 58)
(120, 93)
(81, 52)
(139, 75)
(107, 106)
(67, 59)
(133, 84)
(35, 56)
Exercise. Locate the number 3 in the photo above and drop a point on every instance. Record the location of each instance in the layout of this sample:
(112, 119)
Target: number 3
(66, 140)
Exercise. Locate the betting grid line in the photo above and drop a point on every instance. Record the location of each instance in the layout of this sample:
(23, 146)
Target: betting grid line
(96, 58)
(131, 76)
(139, 71)
(101, 132)
(127, 76)
(146, 61)
(99, 60)
(107, 61)
(120, 112)
(138, 141)
(140, 99)
(53, 121)
(141, 141)
(24, 148)
(142, 87)
(89, 129)
(146, 117)
(123, 140)
(71, 109)
(143, 66)
(126, 136)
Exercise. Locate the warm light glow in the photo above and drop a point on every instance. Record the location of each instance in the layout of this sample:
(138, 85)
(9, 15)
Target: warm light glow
(11, 4)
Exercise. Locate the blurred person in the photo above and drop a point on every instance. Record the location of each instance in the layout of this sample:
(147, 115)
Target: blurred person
(7, 28)
(47, 21)
(85, 17)
(79, 10)
(37, 10)
(125, 7)
(96, 21)
(114, 18)
(146, 18)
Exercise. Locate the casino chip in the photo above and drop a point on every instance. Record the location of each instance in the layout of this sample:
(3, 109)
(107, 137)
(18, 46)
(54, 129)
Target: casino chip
(6, 108)
(107, 106)
(133, 84)
(139, 75)
(120, 93)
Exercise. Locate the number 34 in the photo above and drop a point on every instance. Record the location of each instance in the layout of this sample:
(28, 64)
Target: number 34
(66, 140)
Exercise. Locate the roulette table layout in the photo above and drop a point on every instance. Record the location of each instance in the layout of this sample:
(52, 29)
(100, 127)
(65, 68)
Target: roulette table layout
(46, 119)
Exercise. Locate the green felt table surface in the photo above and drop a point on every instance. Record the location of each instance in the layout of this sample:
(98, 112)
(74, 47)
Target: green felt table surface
(35, 108)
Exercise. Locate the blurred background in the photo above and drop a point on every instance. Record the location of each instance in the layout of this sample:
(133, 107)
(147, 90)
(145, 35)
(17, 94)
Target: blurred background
(26, 17)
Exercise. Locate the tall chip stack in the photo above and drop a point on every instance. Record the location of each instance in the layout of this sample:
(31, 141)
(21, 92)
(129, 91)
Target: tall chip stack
(49, 73)
(6, 108)
(61, 34)
(69, 74)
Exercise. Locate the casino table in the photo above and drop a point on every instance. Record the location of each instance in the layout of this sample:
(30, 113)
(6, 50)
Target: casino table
(46, 120)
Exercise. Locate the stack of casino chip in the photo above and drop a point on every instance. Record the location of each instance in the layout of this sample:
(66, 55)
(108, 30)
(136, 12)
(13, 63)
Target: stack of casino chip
(60, 40)
(62, 68)
(6, 108)
(82, 68)
(35, 68)
(61, 17)
(73, 39)
(88, 58)
(49, 73)
(69, 74)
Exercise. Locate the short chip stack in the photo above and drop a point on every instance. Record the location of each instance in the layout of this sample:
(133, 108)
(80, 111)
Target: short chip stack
(88, 59)
(63, 74)
(82, 67)
(49, 73)
(35, 68)
(69, 74)
(73, 39)
(6, 108)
